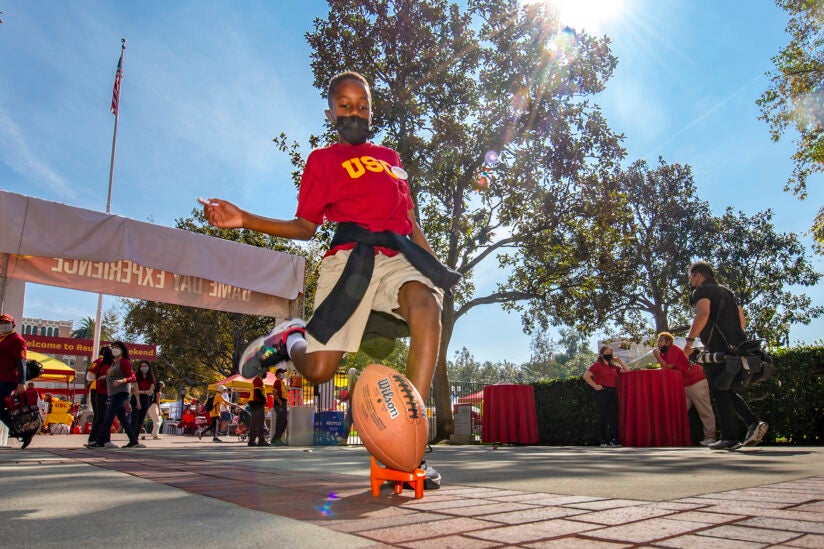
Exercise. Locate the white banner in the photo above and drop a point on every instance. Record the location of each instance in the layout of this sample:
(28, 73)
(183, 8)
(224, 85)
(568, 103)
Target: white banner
(128, 279)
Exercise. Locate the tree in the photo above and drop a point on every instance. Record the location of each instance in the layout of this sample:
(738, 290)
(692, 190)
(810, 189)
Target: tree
(759, 265)
(488, 108)
(109, 326)
(793, 98)
(569, 357)
(666, 226)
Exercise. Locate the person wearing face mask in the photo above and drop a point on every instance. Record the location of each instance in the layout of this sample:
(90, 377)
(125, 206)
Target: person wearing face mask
(12, 366)
(142, 392)
(603, 376)
(380, 268)
(279, 409)
(671, 357)
(119, 376)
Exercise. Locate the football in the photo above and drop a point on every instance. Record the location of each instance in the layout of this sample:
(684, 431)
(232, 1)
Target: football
(390, 417)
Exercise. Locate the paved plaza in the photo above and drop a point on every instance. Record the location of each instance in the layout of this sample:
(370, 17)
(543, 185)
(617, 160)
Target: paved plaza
(181, 491)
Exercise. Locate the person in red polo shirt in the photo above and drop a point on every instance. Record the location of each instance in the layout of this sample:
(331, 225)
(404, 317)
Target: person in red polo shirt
(603, 376)
(671, 357)
(12, 365)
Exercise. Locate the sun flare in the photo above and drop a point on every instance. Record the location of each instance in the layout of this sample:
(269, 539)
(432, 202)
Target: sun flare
(592, 16)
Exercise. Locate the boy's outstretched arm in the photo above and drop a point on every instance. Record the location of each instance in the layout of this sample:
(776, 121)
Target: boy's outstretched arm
(225, 215)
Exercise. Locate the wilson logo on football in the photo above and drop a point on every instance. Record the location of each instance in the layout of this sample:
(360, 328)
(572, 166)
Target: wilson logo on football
(387, 394)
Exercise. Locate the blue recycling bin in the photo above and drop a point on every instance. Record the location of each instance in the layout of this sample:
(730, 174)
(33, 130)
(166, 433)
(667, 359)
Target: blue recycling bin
(329, 428)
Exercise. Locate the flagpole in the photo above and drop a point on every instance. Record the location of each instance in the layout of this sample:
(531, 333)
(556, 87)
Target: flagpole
(116, 111)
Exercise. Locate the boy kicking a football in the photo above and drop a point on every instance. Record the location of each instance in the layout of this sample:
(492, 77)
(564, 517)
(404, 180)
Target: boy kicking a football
(379, 260)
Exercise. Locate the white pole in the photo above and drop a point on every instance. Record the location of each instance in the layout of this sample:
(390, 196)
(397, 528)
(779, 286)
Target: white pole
(116, 112)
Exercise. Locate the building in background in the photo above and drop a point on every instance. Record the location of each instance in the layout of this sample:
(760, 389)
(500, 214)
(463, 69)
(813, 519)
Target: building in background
(51, 328)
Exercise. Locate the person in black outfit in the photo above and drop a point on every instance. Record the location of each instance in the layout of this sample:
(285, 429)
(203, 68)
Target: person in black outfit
(720, 323)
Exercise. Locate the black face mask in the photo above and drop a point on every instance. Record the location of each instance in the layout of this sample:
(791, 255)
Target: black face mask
(354, 129)
(664, 348)
(607, 357)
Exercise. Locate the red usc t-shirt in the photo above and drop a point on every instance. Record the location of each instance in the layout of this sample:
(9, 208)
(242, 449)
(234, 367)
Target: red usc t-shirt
(12, 349)
(356, 184)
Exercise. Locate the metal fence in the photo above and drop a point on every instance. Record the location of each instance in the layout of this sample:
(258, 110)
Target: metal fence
(327, 397)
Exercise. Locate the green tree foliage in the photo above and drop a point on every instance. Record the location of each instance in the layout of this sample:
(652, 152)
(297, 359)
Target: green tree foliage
(466, 368)
(665, 227)
(570, 356)
(759, 265)
(450, 84)
(109, 327)
(793, 98)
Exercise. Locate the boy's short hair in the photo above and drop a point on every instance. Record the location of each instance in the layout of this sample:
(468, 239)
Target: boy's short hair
(667, 336)
(703, 268)
(341, 76)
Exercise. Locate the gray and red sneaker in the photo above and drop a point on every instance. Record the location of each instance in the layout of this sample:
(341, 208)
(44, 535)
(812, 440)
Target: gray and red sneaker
(268, 350)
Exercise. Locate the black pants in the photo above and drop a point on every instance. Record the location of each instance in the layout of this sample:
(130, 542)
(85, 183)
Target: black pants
(100, 408)
(256, 427)
(212, 426)
(116, 408)
(280, 420)
(606, 402)
(139, 416)
(92, 401)
(728, 404)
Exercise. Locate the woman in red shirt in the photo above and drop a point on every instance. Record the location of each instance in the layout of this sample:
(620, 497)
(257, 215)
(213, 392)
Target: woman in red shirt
(141, 398)
(602, 376)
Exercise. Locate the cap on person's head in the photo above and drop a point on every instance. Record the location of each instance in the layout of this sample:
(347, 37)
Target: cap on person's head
(221, 388)
(6, 317)
(280, 371)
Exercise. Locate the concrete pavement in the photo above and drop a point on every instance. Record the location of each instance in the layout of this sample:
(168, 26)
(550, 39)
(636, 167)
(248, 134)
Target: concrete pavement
(181, 490)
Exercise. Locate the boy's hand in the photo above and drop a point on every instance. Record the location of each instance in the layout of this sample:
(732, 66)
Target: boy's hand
(222, 214)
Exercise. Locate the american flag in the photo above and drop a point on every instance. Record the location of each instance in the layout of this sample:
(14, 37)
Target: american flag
(116, 90)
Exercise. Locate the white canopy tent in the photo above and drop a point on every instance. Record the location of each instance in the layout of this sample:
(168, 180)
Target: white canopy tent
(59, 245)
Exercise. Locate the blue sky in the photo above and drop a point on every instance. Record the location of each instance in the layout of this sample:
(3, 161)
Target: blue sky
(208, 84)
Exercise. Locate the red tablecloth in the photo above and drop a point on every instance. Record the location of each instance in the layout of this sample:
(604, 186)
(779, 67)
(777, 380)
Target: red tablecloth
(652, 409)
(509, 415)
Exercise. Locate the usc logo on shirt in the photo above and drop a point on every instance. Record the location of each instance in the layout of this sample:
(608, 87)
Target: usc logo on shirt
(358, 166)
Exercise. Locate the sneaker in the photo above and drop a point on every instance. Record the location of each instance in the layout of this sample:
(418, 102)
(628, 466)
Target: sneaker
(263, 444)
(725, 445)
(156, 437)
(109, 445)
(277, 442)
(266, 351)
(216, 440)
(614, 444)
(755, 433)
(26, 441)
(433, 477)
(200, 434)
(707, 441)
(135, 444)
(604, 445)
(91, 445)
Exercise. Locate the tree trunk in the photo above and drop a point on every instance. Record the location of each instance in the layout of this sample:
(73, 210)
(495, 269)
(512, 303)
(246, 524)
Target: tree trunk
(442, 393)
